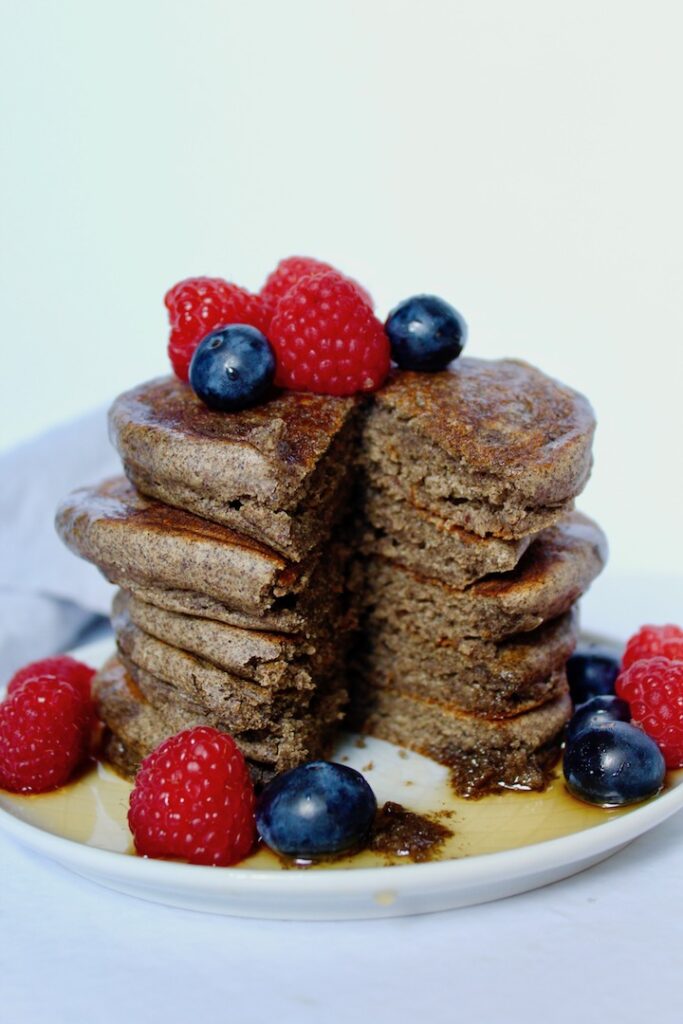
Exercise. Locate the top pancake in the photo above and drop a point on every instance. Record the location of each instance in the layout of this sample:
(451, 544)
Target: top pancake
(496, 447)
(503, 418)
(273, 471)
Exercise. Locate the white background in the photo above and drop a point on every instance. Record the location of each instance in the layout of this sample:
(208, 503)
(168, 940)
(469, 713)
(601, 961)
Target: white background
(522, 159)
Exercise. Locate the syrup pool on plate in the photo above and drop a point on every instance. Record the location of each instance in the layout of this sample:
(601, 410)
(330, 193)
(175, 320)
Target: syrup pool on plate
(93, 809)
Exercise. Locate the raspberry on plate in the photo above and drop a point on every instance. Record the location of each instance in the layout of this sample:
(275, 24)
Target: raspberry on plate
(69, 670)
(327, 339)
(193, 799)
(198, 305)
(62, 666)
(654, 689)
(43, 734)
(654, 641)
(290, 271)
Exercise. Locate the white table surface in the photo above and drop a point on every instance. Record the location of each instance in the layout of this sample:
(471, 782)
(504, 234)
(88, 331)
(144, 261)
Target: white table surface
(605, 945)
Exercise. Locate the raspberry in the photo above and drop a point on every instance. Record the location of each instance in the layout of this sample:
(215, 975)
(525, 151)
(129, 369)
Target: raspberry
(327, 339)
(61, 667)
(67, 669)
(290, 271)
(198, 306)
(654, 689)
(42, 735)
(193, 799)
(654, 641)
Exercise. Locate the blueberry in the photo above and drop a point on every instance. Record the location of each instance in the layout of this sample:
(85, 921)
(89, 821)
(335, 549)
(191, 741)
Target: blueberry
(425, 333)
(613, 764)
(592, 670)
(232, 368)
(316, 810)
(596, 711)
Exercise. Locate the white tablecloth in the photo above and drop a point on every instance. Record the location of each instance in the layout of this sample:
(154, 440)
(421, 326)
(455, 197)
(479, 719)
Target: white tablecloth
(606, 945)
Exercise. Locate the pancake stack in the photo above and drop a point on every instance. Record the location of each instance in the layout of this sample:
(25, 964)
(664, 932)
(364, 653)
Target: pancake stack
(436, 515)
(473, 561)
(232, 609)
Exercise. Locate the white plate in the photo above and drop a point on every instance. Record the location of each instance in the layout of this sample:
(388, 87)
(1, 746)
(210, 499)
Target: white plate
(517, 826)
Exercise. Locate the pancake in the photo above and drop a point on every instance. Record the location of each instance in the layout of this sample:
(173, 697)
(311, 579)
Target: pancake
(134, 541)
(271, 659)
(557, 568)
(484, 755)
(496, 680)
(494, 447)
(277, 472)
(416, 538)
(245, 704)
(143, 724)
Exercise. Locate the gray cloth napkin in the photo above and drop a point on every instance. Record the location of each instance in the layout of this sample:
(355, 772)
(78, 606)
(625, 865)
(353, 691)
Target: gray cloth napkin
(49, 599)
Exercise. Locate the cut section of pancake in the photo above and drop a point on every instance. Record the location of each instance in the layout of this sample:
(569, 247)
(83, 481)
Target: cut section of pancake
(497, 680)
(276, 472)
(483, 755)
(400, 530)
(143, 724)
(138, 542)
(245, 704)
(558, 567)
(271, 659)
(494, 447)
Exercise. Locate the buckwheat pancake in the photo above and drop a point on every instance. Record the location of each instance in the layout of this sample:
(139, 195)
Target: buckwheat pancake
(494, 447)
(277, 472)
(496, 680)
(557, 568)
(484, 755)
(266, 658)
(244, 703)
(143, 724)
(135, 541)
(402, 531)
(308, 612)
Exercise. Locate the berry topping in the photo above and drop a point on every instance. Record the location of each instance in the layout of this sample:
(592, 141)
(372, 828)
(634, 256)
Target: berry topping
(61, 667)
(597, 711)
(198, 306)
(317, 810)
(654, 689)
(193, 799)
(327, 339)
(613, 764)
(654, 641)
(232, 368)
(43, 734)
(592, 670)
(290, 271)
(426, 333)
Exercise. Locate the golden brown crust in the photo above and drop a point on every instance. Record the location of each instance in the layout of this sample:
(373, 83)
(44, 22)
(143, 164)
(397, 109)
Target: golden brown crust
(502, 418)
(279, 443)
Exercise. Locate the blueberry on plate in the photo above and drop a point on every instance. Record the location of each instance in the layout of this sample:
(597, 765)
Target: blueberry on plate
(425, 333)
(232, 368)
(316, 810)
(613, 764)
(603, 708)
(592, 670)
